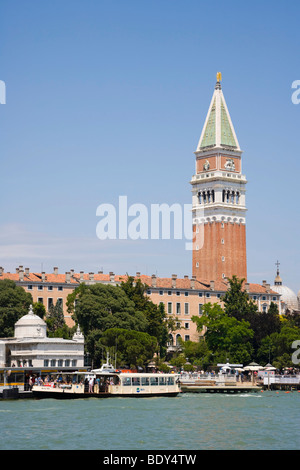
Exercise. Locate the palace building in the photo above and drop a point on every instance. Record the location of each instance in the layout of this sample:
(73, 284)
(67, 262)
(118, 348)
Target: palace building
(183, 298)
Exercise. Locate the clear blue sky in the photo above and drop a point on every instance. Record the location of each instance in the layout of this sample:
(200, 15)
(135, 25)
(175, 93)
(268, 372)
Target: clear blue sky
(108, 98)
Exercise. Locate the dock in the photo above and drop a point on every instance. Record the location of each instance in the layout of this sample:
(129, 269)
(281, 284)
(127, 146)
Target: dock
(14, 393)
(282, 382)
(241, 388)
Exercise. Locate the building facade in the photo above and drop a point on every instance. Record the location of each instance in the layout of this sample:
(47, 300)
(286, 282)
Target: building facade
(218, 198)
(30, 346)
(183, 298)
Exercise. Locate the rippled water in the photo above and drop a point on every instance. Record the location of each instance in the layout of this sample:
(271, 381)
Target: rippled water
(268, 420)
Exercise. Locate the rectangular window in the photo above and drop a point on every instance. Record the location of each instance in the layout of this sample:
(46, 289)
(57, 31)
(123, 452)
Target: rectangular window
(186, 308)
(186, 294)
(40, 300)
(29, 287)
(126, 381)
(144, 380)
(161, 292)
(50, 288)
(135, 381)
(169, 307)
(200, 294)
(187, 338)
(169, 292)
(60, 288)
(46, 362)
(200, 309)
(178, 309)
(153, 381)
(40, 287)
(50, 302)
(162, 380)
(187, 326)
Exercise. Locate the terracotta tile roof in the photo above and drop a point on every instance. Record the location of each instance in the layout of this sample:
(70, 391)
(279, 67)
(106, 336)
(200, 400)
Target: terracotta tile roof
(160, 282)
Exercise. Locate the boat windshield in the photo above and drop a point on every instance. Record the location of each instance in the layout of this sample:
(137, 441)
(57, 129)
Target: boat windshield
(147, 381)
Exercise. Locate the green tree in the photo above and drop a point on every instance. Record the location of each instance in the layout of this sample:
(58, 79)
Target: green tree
(237, 302)
(14, 303)
(101, 307)
(198, 353)
(155, 314)
(133, 348)
(277, 347)
(56, 325)
(39, 309)
(225, 335)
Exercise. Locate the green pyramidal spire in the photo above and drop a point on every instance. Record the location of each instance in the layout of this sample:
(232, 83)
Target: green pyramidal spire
(218, 130)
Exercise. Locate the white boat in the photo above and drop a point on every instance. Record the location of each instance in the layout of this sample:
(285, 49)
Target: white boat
(107, 382)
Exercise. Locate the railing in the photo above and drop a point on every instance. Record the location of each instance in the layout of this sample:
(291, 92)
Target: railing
(282, 380)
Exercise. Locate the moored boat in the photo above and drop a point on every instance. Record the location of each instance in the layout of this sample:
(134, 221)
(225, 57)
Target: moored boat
(107, 382)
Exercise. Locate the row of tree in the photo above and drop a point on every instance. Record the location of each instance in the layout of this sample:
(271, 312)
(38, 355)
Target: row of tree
(125, 321)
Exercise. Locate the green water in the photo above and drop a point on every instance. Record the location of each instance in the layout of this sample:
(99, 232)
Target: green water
(266, 421)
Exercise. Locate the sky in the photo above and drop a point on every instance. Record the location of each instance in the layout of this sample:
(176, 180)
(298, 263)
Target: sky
(108, 98)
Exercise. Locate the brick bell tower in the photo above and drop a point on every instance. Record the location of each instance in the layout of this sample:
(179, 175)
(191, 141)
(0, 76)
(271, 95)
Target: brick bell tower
(218, 197)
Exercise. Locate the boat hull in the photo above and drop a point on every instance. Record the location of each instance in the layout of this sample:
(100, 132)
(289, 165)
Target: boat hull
(70, 396)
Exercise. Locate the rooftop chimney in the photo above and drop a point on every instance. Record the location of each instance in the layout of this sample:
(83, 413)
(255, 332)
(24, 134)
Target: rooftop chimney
(153, 277)
(27, 271)
(81, 276)
(174, 277)
(21, 275)
(68, 277)
(55, 270)
(112, 277)
(91, 277)
(212, 285)
(193, 282)
(43, 276)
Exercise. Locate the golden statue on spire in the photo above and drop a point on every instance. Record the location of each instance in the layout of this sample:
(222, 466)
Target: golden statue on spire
(219, 77)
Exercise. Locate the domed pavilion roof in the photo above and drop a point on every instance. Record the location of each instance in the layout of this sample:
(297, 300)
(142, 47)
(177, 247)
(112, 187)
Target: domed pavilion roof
(30, 326)
(288, 296)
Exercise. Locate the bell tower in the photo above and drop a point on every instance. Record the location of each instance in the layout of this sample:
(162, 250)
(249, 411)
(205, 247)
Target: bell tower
(218, 197)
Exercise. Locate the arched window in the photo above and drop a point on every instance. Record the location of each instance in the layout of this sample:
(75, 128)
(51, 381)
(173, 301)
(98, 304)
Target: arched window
(177, 340)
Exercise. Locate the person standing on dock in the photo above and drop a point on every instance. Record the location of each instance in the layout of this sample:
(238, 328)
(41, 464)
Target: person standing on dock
(91, 385)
